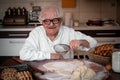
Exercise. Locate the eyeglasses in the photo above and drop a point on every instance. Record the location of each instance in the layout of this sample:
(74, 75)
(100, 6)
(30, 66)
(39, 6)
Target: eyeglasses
(54, 21)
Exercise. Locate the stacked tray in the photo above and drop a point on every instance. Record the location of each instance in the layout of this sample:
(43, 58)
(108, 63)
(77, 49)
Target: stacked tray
(16, 72)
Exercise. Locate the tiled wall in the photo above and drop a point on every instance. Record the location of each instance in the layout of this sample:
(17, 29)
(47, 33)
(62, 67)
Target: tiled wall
(85, 9)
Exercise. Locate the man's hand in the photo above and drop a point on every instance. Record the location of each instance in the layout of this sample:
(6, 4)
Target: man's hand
(74, 44)
(56, 56)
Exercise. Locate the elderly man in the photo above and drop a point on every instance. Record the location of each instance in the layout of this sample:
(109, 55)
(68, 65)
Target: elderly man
(40, 43)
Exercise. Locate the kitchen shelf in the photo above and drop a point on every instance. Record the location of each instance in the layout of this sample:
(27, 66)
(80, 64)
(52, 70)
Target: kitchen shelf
(83, 26)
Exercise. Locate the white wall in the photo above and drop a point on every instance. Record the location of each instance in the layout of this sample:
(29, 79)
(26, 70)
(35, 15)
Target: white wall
(85, 9)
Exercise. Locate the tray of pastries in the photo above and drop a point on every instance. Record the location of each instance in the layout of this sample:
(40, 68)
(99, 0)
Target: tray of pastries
(16, 72)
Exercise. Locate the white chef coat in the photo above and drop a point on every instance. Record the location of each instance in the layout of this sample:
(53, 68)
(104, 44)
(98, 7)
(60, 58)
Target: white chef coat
(39, 47)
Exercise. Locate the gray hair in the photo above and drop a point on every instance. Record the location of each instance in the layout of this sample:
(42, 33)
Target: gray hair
(57, 11)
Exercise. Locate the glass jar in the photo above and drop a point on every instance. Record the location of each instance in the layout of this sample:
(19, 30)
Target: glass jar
(116, 61)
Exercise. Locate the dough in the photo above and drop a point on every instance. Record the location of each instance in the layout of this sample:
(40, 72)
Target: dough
(74, 70)
(83, 73)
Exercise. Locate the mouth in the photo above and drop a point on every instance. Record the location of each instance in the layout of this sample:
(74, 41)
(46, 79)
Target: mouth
(51, 27)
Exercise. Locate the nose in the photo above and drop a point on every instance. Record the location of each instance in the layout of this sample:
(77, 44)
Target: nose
(51, 24)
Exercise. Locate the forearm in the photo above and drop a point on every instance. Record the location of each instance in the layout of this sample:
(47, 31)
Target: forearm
(88, 39)
(92, 42)
(32, 54)
(84, 43)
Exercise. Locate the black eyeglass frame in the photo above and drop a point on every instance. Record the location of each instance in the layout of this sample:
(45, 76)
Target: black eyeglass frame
(54, 21)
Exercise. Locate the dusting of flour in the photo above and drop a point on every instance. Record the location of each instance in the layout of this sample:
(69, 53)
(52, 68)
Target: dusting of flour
(62, 67)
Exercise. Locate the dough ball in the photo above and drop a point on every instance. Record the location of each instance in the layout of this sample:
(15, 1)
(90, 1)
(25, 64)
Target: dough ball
(83, 73)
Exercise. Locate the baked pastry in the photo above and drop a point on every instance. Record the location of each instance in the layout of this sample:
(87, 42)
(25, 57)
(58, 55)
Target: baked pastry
(24, 75)
(13, 74)
(8, 74)
(104, 50)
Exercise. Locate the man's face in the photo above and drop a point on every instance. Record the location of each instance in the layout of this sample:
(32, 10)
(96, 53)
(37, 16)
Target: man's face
(52, 25)
(51, 21)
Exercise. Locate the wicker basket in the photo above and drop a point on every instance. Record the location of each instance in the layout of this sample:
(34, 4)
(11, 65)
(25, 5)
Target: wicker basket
(92, 57)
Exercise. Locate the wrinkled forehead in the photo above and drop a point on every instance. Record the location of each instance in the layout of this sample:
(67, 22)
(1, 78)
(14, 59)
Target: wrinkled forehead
(50, 13)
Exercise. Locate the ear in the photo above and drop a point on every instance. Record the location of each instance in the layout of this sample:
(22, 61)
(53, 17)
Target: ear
(61, 20)
(40, 21)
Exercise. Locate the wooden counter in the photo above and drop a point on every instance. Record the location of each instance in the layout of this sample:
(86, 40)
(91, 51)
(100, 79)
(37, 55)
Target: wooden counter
(16, 60)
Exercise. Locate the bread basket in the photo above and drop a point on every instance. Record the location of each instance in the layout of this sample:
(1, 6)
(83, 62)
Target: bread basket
(93, 57)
